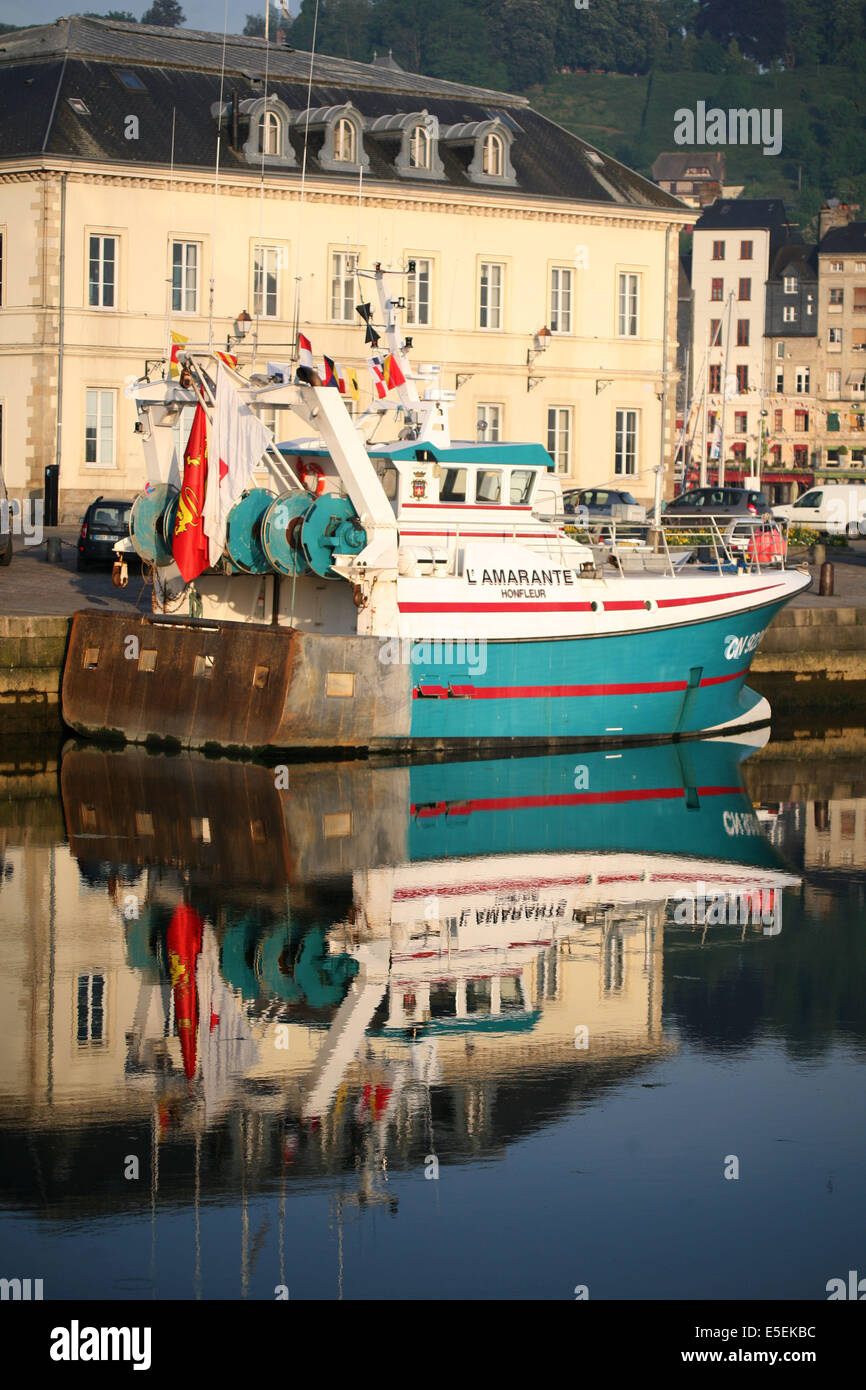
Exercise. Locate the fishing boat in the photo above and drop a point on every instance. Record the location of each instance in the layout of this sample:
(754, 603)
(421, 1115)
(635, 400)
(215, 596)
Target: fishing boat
(415, 592)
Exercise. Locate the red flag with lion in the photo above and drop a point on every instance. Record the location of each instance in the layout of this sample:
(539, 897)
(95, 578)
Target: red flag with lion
(189, 543)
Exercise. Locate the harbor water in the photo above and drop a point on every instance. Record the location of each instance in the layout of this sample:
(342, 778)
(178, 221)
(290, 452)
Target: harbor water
(590, 1025)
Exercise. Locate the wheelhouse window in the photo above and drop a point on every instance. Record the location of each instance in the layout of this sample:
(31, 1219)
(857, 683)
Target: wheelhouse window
(522, 480)
(488, 486)
(184, 276)
(492, 158)
(453, 485)
(345, 141)
(102, 272)
(490, 297)
(561, 285)
(418, 293)
(625, 454)
(343, 286)
(629, 305)
(99, 428)
(559, 436)
(488, 424)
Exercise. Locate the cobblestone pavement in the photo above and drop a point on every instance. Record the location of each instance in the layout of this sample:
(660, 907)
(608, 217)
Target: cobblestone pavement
(31, 585)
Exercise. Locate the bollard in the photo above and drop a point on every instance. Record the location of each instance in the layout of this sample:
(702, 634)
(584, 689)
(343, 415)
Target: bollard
(819, 554)
(52, 550)
(825, 583)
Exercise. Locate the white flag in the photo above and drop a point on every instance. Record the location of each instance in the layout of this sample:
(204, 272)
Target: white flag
(236, 442)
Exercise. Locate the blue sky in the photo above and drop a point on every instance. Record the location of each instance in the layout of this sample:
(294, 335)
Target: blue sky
(200, 14)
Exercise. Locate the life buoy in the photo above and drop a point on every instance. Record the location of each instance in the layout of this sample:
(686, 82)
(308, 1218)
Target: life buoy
(314, 478)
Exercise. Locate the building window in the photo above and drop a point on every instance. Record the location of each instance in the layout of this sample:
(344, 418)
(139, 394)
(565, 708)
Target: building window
(490, 298)
(742, 332)
(560, 299)
(420, 148)
(418, 293)
(740, 421)
(718, 250)
(837, 265)
(860, 267)
(625, 456)
(746, 250)
(777, 420)
(789, 284)
(715, 332)
(99, 428)
(859, 300)
(559, 437)
(834, 338)
(270, 133)
(780, 380)
(742, 377)
(345, 141)
(629, 305)
(343, 286)
(266, 282)
(488, 425)
(102, 272)
(745, 289)
(837, 295)
(91, 1009)
(184, 277)
(801, 420)
(717, 289)
(780, 349)
(834, 383)
(715, 384)
(492, 155)
(802, 377)
(789, 313)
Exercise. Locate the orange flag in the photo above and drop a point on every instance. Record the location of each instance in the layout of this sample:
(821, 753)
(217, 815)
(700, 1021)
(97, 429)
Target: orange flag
(189, 543)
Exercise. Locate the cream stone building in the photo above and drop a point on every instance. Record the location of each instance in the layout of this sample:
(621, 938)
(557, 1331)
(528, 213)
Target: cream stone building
(119, 225)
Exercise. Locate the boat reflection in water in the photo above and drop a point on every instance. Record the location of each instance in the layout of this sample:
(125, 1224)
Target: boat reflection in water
(340, 945)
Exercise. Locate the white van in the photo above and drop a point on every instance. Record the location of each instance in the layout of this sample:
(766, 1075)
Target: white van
(835, 508)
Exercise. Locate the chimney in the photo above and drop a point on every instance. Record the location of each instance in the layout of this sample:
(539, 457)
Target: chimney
(835, 214)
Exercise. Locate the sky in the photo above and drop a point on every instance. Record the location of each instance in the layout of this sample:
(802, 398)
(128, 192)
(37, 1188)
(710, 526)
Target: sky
(200, 14)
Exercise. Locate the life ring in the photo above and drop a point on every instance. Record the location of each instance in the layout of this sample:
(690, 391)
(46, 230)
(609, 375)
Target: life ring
(313, 475)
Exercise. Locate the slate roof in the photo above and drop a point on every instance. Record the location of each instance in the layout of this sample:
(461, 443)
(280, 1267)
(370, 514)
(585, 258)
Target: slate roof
(747, 214)
(673, 167)
(800, 256)
(42, 67)
(841, 239)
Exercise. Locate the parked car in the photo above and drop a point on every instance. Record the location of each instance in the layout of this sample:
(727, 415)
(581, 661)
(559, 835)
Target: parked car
(604, 504)
(835, 508)
(720, 501)
(105, 522)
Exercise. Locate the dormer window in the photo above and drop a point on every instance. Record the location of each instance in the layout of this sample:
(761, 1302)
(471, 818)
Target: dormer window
(267, 139)
(269, 133)
(490, 142)
(492, 158)
(342, 137)
(420, 148)
(345, 141)
(416, 135)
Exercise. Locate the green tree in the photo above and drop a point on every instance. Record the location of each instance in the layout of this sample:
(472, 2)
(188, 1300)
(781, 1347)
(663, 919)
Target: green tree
(255, 25)
(122, 15)
(166, 13)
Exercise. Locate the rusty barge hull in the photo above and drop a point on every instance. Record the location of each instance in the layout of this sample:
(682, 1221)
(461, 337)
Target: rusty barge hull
(254, 688)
